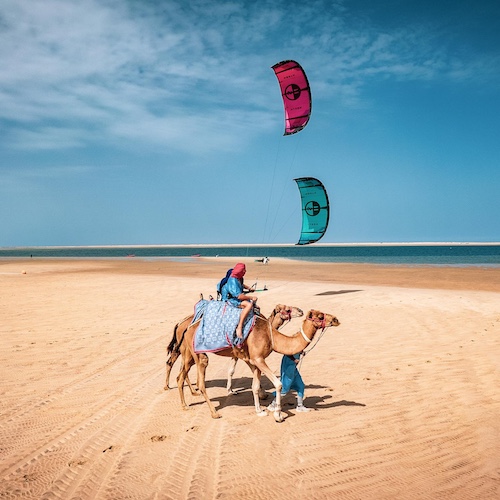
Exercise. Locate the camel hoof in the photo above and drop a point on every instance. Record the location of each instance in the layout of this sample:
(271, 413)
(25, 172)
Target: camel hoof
(262, 413)
(216, 415)
(278, 416)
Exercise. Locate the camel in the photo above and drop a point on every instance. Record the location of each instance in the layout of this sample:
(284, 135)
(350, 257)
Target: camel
(278, 317)
(261, 341)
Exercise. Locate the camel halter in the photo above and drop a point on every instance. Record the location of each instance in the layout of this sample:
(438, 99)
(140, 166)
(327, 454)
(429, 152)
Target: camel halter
(306, 338)
(314, 321)
(271, 335)
(315, 343)
(285, 315)
(323, 327)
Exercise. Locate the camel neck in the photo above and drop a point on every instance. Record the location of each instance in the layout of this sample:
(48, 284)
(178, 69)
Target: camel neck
(293, 344)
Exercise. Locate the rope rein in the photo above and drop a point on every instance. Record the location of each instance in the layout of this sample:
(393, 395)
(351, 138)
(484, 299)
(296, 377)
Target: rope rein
(271, 335)
(304, 352)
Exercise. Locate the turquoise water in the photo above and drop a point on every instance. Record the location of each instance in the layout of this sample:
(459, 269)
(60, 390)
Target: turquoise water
(441, 255)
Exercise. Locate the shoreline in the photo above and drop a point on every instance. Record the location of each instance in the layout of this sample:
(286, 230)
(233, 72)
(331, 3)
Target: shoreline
(253, 245)
(394, 275)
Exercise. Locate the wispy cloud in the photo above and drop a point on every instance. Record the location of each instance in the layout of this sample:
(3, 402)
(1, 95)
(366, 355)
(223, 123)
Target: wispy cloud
(74, 72)
(19, 181)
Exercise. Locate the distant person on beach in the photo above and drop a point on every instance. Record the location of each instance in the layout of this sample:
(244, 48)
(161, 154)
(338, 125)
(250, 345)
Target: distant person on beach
(266, 260)
(233, 292)
(291, 380)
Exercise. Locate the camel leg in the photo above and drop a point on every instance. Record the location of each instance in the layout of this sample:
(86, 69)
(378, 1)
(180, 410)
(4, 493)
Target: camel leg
(192, 388)
(260, 363)
(169, 364)
(230, 373)
(202, 363)
(256, 392)
(194, 391)
(188, 362)
(262, 393)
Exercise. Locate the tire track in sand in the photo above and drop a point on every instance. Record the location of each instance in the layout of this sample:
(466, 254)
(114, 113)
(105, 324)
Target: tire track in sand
(108, 415)
(27, 406)
(194, 467)
(87, 475)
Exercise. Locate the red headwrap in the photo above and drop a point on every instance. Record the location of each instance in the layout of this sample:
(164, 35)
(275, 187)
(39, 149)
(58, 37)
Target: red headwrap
(239, 271)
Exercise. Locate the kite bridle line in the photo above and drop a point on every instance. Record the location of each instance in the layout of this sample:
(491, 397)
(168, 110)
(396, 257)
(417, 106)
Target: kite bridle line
(283, 191)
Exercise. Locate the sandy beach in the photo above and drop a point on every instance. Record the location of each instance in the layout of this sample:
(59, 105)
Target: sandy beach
(404, 393)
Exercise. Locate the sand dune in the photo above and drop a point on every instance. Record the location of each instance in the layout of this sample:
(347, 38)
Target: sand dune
(405, 392)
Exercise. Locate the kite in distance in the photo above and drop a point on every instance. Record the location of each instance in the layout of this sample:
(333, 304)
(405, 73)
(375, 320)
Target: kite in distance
(315, 209)
(296, 95)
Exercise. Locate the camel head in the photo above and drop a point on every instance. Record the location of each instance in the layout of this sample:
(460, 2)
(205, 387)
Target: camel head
(288, 312)
(322, 320)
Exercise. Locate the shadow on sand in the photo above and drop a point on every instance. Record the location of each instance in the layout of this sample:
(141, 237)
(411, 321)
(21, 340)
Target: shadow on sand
(244, 397)
(338, 292)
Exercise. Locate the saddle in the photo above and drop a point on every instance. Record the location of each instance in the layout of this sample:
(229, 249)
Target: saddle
(217, 326)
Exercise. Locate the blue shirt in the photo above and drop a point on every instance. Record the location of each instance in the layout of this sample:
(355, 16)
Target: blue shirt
(231, 290)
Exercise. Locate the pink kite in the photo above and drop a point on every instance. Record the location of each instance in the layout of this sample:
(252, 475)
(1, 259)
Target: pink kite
(296, 95)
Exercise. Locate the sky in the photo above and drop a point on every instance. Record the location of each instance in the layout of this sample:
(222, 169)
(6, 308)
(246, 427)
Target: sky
(151, 122)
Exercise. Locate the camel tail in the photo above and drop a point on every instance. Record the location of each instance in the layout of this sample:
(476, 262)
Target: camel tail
(181, 341)
(173, 346)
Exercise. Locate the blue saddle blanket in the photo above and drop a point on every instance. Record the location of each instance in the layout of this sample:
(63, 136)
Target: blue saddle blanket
(217, 329)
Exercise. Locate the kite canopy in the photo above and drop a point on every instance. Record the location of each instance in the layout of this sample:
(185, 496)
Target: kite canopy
(296, 95)
(315, 209)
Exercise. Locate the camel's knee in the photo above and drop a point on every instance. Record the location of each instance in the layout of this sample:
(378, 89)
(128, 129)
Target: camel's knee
(180, 379)
(172, 359)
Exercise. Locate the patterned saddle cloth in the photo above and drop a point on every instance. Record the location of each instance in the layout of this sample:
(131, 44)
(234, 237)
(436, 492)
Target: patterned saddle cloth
(217, 326)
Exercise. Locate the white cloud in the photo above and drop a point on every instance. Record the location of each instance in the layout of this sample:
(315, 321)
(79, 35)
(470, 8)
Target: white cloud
(159, 73)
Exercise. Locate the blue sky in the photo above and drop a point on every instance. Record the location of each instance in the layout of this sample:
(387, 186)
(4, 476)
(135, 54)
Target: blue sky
(161, 122)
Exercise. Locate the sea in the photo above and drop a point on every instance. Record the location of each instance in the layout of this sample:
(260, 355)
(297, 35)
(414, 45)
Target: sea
(443, 254)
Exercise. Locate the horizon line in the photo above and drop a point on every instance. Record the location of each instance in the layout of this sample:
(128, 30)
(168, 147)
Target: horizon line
(238, 245)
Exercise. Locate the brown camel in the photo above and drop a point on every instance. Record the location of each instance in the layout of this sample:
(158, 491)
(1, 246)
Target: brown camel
(261, 341)
(278, 317)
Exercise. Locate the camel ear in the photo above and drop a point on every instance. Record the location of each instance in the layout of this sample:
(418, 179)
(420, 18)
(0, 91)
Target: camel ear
(310, 315)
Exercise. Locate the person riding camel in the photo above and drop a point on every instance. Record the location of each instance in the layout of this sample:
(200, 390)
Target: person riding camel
(233, 290)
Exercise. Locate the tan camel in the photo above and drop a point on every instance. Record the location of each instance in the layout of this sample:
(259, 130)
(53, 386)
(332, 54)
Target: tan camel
(278, 317)
(261, 341)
